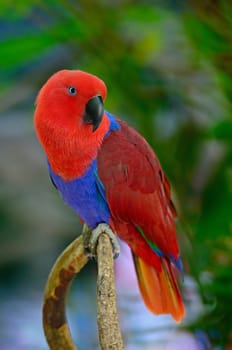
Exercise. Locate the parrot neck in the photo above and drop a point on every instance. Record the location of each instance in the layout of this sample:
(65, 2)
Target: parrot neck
(71, 152)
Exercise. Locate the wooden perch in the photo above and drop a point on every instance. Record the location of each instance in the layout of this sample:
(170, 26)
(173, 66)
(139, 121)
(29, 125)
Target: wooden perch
(108, 325)
(69, 263)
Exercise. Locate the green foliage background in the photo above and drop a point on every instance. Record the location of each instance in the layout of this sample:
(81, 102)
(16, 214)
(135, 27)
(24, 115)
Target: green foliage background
(168, 68)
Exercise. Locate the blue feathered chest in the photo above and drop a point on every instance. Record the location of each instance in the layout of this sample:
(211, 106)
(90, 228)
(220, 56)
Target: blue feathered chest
(85, 195)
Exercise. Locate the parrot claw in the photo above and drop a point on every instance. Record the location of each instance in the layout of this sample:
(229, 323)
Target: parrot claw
(91, 239)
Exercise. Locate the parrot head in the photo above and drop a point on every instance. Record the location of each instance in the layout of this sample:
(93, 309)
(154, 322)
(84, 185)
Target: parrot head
(73, 97)
(70, 121)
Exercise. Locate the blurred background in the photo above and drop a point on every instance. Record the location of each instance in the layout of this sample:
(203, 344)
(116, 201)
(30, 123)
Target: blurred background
(168, 68)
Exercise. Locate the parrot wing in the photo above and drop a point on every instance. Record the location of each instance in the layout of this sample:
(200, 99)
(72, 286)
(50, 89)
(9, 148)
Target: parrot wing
(138, 195)
(137, 189)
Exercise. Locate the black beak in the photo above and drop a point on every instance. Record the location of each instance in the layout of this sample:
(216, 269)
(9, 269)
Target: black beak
(94, 110)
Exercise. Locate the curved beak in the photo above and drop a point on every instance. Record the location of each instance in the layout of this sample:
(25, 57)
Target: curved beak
(94, 110)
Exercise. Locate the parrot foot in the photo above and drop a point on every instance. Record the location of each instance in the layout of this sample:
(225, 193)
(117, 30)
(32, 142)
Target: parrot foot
(91, 239)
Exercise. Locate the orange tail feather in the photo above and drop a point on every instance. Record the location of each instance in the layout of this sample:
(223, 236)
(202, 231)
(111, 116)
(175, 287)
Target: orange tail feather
(159, 290)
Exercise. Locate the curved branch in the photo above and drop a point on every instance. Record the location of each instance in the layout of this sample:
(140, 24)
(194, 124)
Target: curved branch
(69, 263)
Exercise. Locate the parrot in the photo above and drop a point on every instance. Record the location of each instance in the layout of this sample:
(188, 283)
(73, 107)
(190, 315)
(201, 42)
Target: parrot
(107, 173)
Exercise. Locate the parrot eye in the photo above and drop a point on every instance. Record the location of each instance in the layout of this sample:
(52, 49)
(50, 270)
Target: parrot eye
(72, 91)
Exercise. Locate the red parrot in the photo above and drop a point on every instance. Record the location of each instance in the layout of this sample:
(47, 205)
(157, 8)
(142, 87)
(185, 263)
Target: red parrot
(107, 173)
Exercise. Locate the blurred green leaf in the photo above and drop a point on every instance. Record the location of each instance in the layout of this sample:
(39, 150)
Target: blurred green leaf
(223, 130)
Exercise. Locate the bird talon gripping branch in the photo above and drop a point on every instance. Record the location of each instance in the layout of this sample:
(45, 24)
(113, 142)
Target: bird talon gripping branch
(90, 240)
(104, 228)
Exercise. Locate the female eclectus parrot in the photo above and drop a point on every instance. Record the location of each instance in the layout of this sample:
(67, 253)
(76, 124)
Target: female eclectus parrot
(107, 173)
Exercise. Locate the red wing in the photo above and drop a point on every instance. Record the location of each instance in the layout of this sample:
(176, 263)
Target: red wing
(136, 187)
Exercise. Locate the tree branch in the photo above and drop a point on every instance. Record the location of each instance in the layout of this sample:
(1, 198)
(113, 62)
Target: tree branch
(108, 324)
(69, 263)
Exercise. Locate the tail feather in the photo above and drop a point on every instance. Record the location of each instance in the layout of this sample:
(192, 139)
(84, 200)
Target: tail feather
(159, 289)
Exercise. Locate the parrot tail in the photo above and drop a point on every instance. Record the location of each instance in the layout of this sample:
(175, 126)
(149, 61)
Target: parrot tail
(159, 289)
